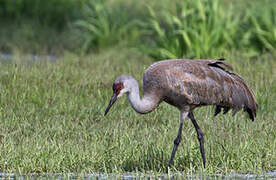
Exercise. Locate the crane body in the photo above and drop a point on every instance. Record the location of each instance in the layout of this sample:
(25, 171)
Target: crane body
(187, 84)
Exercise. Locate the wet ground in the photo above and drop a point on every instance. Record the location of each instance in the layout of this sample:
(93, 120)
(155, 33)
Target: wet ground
(267, 175)
(30, 57)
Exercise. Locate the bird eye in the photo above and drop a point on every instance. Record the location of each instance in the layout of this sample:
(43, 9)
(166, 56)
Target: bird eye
(117, 88)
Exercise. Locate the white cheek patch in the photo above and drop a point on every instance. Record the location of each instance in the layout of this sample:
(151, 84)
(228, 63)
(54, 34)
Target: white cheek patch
(123, 91)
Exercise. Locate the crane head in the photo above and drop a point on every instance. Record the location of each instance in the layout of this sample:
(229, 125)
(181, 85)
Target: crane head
(117, 92)
(121, 85)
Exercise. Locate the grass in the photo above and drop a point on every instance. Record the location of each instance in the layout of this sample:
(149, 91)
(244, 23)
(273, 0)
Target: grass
(31, 37)
(51, 120)
(51, 114)
(54, 13)
(193, 29)
(163, 29)
(106, 23)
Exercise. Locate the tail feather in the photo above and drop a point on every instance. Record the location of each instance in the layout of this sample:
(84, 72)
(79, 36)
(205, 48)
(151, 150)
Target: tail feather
(220, 64)
(218, 109)
(244, 97)
(251, 114)
(226, 109)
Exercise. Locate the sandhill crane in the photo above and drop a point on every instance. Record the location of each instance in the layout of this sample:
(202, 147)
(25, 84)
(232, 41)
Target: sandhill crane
(187, 84)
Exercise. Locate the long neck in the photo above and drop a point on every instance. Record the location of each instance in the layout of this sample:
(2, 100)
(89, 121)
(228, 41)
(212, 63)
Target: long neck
(145, 105)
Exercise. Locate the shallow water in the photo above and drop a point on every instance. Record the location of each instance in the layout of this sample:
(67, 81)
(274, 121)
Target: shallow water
(31, 57)
(267, 175)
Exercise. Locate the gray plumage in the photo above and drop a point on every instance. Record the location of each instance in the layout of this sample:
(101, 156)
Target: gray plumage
(187, 84)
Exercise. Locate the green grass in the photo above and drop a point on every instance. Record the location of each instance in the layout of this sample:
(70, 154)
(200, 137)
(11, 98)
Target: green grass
(55, 13)
(161, 29)
(170, 29)
(30, 37)
(105, 23)
(51, 120)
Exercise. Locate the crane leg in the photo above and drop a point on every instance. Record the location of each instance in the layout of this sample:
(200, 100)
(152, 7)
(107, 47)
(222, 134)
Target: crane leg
(199, 136)
(183, 115)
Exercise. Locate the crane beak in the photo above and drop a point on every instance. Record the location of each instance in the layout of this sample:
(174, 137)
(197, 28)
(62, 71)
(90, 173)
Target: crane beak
(112, 101)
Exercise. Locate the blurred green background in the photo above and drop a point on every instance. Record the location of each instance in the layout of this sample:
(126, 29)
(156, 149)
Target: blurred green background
(161, 29)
